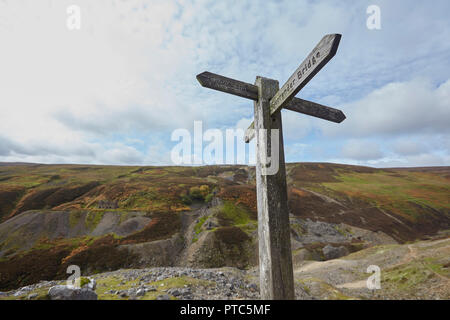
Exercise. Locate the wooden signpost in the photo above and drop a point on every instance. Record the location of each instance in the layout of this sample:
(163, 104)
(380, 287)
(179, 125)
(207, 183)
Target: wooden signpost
(275, 257)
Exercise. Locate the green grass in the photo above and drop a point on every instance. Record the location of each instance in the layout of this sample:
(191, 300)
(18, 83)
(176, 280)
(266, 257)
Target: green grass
(175, 282)
(249, 227)
(435, 266)
(406, 277)
(42, 294)
(118, 283)
(33, 176)
(83, 281)
(198, 228)
(375, 250)
(326, 291)
(209, 197)
(141, 199)
(234, 213)
(93, 218)
(199, 224)
(114, 283)
(407, 194)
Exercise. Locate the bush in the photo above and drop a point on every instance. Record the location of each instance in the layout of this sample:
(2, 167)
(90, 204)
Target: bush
(204, 190)
(186, 199)
(195, 193)
(199, 193)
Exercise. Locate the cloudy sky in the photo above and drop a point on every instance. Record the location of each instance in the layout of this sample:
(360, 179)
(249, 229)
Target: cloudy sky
(114, 90)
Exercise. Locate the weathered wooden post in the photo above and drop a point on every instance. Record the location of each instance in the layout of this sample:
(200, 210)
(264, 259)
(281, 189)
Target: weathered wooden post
(275, 257)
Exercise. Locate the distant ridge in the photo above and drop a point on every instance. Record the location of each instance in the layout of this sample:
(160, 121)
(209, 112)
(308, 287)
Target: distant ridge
(18, 164)
(421, 168)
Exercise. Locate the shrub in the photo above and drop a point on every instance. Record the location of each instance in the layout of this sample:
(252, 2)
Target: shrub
(204, 190)
(199, 193)
(195, 193)
(186, 199)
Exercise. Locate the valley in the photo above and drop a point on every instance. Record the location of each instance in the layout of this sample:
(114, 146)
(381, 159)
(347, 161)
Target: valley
(107, 219)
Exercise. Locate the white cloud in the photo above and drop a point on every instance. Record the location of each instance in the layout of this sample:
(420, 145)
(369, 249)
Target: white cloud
(421, 160)
(409, 147)
(244, 123)
(295, 126)
(78, 96)
(295, 150)
(362, 150)
(397, 108)
(73, 152)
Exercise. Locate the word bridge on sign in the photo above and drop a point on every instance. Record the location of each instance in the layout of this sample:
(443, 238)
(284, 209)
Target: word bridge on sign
(275, 257)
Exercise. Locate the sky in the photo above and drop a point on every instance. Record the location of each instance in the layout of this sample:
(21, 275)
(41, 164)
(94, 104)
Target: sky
(115, 87)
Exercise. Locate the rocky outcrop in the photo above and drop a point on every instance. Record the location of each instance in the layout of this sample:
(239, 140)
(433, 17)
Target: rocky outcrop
(65, 292)
(331, 252)
(60, 292)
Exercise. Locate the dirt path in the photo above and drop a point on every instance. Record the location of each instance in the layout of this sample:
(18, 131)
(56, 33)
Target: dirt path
(188, 221)
(187, 230)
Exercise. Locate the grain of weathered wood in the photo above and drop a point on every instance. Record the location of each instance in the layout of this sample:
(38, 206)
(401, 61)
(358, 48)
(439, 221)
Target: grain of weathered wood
(315, 110)
(306, 107)
(275, 257)
(321, 54)
(228, 85)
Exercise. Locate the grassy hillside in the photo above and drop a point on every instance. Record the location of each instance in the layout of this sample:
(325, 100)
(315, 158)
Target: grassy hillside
(405, 203)
(56, 215)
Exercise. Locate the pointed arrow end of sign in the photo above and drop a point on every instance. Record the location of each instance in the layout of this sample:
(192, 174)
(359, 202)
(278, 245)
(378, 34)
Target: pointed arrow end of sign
(201, 77)
(340, 116)
(336, 41)
(249, 133)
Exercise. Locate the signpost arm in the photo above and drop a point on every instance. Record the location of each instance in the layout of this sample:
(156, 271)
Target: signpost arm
(275, 257)
(316, 60)
(308, 108)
